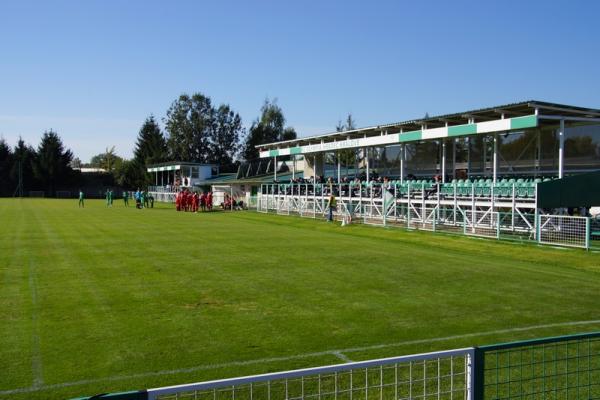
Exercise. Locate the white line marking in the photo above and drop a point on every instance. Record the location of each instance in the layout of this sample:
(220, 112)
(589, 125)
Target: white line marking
(335, 353)
(342, 356)
(36, 355)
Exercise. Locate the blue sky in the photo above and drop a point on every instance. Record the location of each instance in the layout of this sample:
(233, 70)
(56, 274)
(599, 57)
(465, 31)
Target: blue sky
(94, 70)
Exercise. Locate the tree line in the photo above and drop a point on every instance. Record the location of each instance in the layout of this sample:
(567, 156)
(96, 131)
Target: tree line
(195, 131)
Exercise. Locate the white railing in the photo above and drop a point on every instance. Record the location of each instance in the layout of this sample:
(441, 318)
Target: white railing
(564, 230)
(427, 376)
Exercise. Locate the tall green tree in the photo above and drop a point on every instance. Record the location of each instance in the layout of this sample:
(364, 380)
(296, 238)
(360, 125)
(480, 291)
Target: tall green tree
(107, 160)
(52, 162)
(347, 157)
(6, 160)
(225, 138)
(151, 145)
(188, 124)
(127, 175)
(23, 161)
(270, 127)
(150, 148)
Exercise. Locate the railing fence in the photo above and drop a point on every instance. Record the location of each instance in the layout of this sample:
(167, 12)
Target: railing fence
(558, 368)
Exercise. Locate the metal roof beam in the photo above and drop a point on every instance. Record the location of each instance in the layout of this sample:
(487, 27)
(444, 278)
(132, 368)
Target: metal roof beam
(590, 112)
(509, 112)
(568, 118)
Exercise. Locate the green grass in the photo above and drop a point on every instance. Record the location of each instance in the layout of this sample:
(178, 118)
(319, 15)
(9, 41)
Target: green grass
(114, 295)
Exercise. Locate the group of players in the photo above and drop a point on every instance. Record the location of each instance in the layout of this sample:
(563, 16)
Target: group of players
(190, 201)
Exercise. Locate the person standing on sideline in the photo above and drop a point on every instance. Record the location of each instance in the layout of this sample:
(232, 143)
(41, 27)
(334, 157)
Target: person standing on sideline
(126, 198)
(138, 203)
(81, 205)
(209, 201)
(332, 206)
(107, 198)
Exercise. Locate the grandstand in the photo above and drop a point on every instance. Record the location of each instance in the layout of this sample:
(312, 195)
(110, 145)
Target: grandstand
(480, 170)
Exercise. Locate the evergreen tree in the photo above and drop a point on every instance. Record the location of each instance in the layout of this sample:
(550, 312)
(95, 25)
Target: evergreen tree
(23, 159)
(51, 165)
(6, 159)
(151, 146)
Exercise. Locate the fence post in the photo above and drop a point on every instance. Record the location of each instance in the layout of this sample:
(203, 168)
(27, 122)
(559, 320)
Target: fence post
(477, 374)
(587, 233)
(497, 224)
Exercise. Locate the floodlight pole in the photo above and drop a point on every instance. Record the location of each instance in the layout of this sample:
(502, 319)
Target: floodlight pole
(19, 189)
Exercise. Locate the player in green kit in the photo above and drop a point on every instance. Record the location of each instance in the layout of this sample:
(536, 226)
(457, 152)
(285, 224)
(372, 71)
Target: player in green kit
(110, 197)
(126, 198)
(81, 205)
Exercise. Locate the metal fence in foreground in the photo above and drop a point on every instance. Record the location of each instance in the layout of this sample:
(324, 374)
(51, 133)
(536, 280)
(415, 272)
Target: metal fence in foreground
(558, 368)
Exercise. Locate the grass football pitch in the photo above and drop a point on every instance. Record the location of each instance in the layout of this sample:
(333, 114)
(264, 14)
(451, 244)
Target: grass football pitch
(102, 300)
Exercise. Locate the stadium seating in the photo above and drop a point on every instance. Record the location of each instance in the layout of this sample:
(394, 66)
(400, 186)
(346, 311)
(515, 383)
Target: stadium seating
(478, 187)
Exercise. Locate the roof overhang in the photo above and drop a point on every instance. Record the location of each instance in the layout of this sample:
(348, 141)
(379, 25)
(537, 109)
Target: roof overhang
(175, 166)
(515, 116)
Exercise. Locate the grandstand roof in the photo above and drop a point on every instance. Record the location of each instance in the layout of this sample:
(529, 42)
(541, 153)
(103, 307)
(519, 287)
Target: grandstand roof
(230, 179)
(521, 115)
(175, 165)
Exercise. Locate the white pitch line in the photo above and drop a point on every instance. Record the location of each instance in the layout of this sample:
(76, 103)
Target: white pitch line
(335, 353)
(342, 356)
(36, 355)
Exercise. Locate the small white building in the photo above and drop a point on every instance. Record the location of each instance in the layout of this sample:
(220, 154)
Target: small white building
(182, 174)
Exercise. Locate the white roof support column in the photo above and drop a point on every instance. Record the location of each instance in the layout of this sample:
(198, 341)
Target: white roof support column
(293, 167)
(495, 159)
(561, 148)
(339, 167)
(366, 151)
(443, 161)
(402, 151)
(275, 168)
(454, 158)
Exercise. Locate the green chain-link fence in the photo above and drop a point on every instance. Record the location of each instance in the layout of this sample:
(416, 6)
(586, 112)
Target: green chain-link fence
(565, 367)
